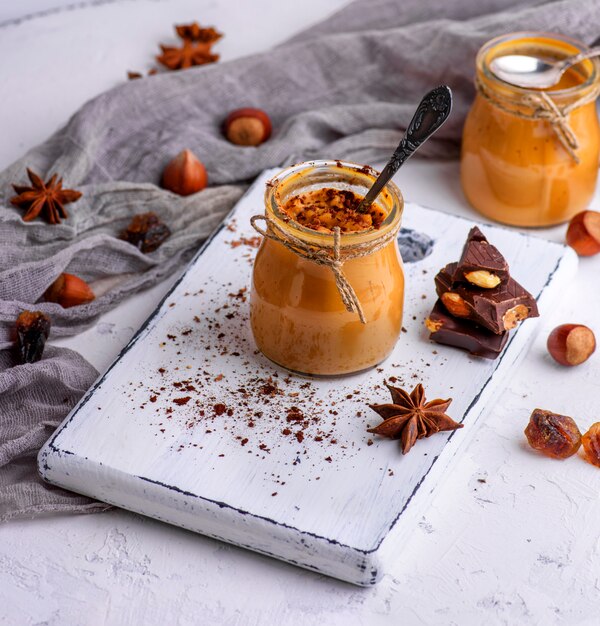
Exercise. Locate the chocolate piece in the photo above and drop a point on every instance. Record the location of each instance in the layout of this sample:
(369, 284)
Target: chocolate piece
(450, 331)
(497, 309)
(481, 256)
(475, 235)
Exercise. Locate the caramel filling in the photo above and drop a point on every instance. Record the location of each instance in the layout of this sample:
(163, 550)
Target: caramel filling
(515, 170)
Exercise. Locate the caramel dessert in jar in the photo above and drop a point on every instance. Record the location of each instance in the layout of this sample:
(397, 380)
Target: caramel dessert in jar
(530, 156)
(328, 283)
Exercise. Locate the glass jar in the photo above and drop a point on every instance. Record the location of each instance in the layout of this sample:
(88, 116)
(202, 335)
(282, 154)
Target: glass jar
(296, 311)
(514, 168)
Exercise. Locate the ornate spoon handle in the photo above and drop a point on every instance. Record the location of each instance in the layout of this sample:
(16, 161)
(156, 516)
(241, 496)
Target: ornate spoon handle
(431, 113)
(582, 56)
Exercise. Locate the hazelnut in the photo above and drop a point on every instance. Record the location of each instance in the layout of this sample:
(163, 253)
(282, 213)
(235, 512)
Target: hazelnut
(515, 315)
(247, 127)
(69, 290)
(455, 304)
(571, 344)
(583, 234)
(185, 174)
(483, 279)
(433, 325)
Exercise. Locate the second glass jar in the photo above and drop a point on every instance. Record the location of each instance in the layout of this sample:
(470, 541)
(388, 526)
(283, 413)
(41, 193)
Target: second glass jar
(514, 169)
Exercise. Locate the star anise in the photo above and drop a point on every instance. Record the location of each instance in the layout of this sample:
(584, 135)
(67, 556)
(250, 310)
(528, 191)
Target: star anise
(188, 55)
(195, 49)
(44, 197)
(195, 32)
(410, 417)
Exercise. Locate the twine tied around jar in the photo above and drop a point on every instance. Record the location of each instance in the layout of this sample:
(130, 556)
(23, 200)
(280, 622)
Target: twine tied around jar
(333, 257)
(543, 108)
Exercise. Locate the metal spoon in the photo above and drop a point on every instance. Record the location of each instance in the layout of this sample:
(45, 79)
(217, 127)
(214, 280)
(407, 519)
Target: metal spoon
(431, 113)
(533, 73)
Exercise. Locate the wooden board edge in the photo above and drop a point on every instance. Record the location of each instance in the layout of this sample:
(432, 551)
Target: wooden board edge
(213, 519)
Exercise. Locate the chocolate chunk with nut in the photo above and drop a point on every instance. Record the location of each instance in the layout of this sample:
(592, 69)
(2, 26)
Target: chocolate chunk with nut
(146, 232)
(481, 263)
(451, 331)
(552, 434)
(498, 309)
(33, 328)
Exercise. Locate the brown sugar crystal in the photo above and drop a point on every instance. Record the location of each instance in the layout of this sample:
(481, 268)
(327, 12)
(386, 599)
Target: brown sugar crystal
(554, 435)
(591, 444)
(146, 231)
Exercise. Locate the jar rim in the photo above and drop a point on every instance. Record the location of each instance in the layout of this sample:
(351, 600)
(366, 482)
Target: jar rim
(483, 64)
(391, 191)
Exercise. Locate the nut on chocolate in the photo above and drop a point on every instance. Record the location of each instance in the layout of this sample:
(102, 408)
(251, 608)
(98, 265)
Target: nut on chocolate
(488, 307)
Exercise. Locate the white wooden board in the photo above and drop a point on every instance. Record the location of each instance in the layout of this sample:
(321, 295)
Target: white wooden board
(190, 424)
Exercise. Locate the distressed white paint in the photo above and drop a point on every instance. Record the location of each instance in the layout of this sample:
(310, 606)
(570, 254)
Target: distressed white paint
(111, 447)
(521, 548)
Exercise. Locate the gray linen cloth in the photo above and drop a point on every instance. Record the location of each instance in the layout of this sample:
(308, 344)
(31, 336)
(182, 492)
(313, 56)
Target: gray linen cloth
(343, 89)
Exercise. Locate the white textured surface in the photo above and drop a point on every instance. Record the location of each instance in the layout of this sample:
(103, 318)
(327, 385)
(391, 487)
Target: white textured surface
(521, 548)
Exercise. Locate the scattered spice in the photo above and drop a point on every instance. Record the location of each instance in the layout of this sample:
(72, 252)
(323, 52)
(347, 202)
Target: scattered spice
(196, 48)
(33, 328)
(146, 231)
(294, 414)
(252, 242)
(276, 412)
(135, 75)
(182, 401)
(48, 198)
(410, 417)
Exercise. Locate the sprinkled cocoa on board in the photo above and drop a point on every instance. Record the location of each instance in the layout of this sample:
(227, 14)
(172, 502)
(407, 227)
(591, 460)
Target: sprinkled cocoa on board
(233, 394)
(252, 242)
(181, 401)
